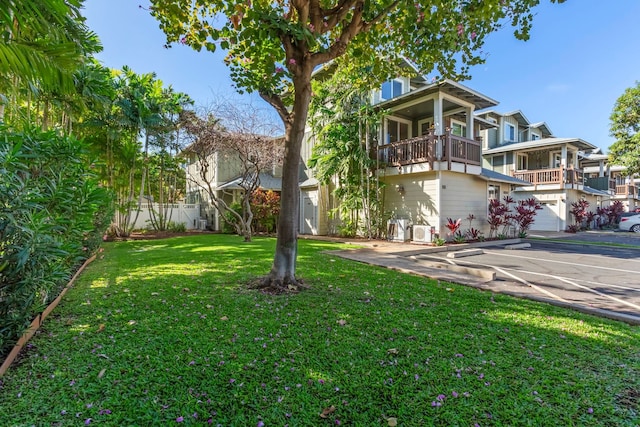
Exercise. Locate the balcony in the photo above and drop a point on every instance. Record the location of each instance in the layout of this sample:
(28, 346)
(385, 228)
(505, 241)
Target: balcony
(431, 148)
(601, 183)
(626, 190)
(556, 176)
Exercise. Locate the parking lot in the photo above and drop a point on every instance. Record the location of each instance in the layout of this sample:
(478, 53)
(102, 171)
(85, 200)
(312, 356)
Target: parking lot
(581, 271)
(597, 277)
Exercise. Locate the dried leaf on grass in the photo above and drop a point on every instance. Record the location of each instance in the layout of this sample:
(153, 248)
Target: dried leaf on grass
(327, 411)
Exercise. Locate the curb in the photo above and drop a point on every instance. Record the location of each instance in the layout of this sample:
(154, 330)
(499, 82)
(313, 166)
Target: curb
(485, 274)
(37, 322)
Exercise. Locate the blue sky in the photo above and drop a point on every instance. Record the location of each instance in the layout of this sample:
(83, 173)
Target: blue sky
(581, 57)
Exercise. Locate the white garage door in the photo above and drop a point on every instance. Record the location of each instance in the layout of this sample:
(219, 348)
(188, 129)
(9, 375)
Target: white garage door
(546, 219)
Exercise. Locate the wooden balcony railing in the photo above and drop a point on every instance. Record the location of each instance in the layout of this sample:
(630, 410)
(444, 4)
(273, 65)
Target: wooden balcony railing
(552, 176)
(431, 148)
(628, 190)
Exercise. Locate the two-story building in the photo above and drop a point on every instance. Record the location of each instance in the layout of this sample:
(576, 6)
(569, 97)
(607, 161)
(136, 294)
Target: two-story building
(429, 158)
(602, 175)
(220, 174)
(550, 165)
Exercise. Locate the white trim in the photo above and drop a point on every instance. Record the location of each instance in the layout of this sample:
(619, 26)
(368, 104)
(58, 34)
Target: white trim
(508, 125)
(428, 121)
(524, 156)
(385, 128)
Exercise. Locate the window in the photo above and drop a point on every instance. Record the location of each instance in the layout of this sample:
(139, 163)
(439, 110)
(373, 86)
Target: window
(509, 132)
(391, 89)
(494, 192)
(458, 128)
(424, 126)
(535, 137)
(396, 131)
(497, 163)
(521, 162)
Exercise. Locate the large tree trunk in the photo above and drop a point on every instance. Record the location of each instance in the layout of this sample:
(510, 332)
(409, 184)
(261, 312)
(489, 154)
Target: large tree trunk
(284, 263)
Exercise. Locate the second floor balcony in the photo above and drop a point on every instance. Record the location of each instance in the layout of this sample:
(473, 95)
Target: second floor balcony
(562, 176)
(616, 188)
(626, 190)
(431, 149)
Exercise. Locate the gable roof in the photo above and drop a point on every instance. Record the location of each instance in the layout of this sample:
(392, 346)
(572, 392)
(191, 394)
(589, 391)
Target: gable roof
(543, 127)
(450, 87)
(540, 143)
(267, 182)
(519, 116)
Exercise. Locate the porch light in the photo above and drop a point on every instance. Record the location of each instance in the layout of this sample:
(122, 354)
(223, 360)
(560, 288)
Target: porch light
(400, 188)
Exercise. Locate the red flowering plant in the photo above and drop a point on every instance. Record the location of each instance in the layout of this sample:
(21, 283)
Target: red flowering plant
(453, 225)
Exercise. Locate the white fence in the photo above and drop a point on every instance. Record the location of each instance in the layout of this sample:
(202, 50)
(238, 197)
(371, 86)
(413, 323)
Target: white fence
(180, 213)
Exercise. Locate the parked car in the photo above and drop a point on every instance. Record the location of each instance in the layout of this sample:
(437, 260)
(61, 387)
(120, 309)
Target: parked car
(630, 221)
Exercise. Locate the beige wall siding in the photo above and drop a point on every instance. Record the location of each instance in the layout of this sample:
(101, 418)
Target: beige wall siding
(418, 202)
(461, 195)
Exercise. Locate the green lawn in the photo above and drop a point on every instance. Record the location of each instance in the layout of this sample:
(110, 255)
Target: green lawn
(163, 332)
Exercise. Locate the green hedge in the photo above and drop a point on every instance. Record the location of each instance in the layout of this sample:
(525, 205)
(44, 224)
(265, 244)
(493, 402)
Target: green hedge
(53, 213)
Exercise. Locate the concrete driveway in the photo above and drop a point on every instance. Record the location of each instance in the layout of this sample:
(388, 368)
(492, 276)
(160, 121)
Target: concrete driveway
(566, 270)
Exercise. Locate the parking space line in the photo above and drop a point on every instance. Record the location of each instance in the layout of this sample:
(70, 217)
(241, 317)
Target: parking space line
(562, 279)
(562, 262)
(521, 280)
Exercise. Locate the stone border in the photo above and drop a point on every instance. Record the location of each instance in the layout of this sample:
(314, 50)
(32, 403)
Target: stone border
(37, 322)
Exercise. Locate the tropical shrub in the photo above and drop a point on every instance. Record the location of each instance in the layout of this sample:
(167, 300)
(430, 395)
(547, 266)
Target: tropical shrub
(453, 226)
(53, 214)
(438, 241)
(176, 227)
(229, 219)
(609, 215)
(266, 207)
(499, 216)
(525, 212)
(580, 212)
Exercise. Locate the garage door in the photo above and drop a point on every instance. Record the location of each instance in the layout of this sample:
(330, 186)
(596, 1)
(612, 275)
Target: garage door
(547, 218)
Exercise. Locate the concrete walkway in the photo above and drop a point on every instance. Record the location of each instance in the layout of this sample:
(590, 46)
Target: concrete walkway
(410, 258)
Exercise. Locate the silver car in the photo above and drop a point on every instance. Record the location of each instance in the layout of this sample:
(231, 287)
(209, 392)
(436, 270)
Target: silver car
(630, 221)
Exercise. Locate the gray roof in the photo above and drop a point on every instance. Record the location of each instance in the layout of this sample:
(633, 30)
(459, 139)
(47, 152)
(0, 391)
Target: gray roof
(447, 86)
(593, 191)
(267, 182)
(490, 175)
(540, 143)
(311, 182)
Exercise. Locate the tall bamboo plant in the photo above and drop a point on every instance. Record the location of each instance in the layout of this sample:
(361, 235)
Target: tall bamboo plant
(343, 128)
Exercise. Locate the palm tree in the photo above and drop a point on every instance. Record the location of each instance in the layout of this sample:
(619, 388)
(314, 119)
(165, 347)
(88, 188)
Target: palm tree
(42, 43)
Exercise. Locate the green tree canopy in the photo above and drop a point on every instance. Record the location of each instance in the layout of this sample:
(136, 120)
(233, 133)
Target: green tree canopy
(275, 46)
(625, 128)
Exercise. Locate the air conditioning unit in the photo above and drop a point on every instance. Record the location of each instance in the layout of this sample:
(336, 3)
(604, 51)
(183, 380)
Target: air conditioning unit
(399, 230)
(422, 234)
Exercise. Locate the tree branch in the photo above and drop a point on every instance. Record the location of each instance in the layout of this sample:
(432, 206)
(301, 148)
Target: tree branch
(276, 102)
(348, 33)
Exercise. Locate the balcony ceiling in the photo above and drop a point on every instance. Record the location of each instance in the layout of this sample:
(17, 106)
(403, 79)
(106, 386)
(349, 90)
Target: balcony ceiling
(425, 109)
